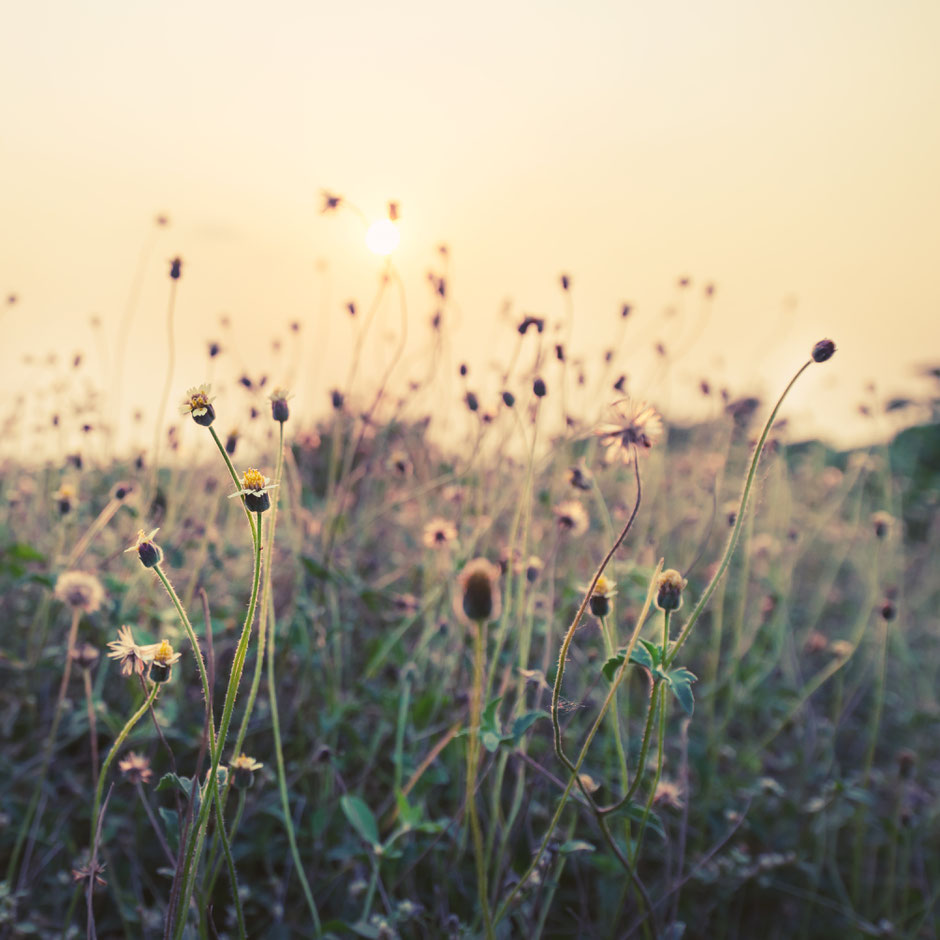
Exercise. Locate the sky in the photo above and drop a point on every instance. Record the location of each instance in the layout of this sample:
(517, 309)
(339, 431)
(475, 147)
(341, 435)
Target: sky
(784, 153)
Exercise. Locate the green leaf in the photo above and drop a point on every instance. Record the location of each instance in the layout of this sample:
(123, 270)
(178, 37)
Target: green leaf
(680, 681)
(409, 815)
(576, 845)
(612, 665)
(172, 825)
(524, 722)
(361, 818)
(173, 781)
(490, 732)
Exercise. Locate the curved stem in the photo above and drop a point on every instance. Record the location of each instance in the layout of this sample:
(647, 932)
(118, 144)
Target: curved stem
(118, 742)
(235, 480)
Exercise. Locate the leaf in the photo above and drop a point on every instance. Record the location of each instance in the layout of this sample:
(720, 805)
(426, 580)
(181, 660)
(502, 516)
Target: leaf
(680, 681)
(409, 815)
(524, 722)
(490, 732)
(361, 818)
(576, 845)
(171, 781)
(645, 654)
(172, 825)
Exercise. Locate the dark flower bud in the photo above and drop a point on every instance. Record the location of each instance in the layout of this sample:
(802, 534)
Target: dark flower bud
(538, 387)
(463, 369)
(279, 410)
(231, 442)
(148, 551)
(479, 591)
(509, 399)
(472, 402)
(160, 672)
(823, 350)
(669, 596)
(175, 266)
(336, 397)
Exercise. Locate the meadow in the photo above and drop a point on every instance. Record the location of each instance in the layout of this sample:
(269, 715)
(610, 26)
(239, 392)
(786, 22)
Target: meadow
(606, 678)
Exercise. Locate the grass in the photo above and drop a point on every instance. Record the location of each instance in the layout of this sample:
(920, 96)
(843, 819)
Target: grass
(761, 760)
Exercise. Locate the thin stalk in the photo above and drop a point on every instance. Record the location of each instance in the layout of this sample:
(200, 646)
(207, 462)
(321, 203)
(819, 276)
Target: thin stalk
(118, 743)
(738, 522)
(473, 755)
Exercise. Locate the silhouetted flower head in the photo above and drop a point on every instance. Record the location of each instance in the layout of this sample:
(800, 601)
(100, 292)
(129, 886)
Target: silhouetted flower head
(823, 350)
(149, 553)
(478, 599)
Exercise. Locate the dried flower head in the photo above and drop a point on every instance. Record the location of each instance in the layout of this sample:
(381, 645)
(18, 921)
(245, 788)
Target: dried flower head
(669, 595)
(478, 599)
(80, 590)
(198, 404)
(89, 871)
(149, 553)
(255, 487)
(128, 653)
(279, 410)
(438, 533)
(243, 770)
(637, 425)
(135, 768)
(571, 517)
(669, 793)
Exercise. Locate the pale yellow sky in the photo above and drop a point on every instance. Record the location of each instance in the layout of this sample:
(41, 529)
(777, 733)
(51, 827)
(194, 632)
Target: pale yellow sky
(786, 153)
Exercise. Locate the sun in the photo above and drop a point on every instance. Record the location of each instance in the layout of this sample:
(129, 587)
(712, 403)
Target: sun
(382, 237)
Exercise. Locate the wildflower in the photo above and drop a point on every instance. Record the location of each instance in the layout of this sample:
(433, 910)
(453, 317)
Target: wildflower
(243, 771)
(539, 389)
(668, 793)
(399, 462)
(823, 350)
(337, 398)
(571, 517)
(479, 598)
(438, 533)
(603, 591)
(89, 871)
(638, 425)
(330, 201)
(65, 495)
(255, 487)
(128, 653)
(473, 403)
(580, 477)
(162, 658)
(279, 410)
(533, 569)
(149, 553)
(80, 590)
(815, 642)
(175, 266)
(198, 404)
(509, 399)
(882, 523)
(231, 442)
(888, 611)
(136, 768)
(669, 596)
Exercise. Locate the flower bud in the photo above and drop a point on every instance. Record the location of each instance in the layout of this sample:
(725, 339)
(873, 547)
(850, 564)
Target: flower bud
(479, 598)
(823, 350)
(669, 596)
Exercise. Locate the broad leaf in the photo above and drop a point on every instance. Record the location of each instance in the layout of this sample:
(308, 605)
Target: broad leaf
(361, 819)
(680, 681)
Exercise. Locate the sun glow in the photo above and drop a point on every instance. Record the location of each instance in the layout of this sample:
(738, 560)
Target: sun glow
(382, 237)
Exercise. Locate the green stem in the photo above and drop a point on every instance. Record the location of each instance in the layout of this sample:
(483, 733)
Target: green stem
(282, 786)
(198, 834)
(118, 742)
(473, 754)
(235, 480)
(738, 522)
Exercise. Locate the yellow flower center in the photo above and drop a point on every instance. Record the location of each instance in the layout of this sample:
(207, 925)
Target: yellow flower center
(602, 586)
(164, 652)
(198, 401)
(253, 479)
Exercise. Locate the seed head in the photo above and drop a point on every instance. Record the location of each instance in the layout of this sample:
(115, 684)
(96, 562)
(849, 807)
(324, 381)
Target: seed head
(80, 590)
(638, 425)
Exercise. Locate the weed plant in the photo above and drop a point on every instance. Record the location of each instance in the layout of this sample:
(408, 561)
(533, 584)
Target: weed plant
(641, 681)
